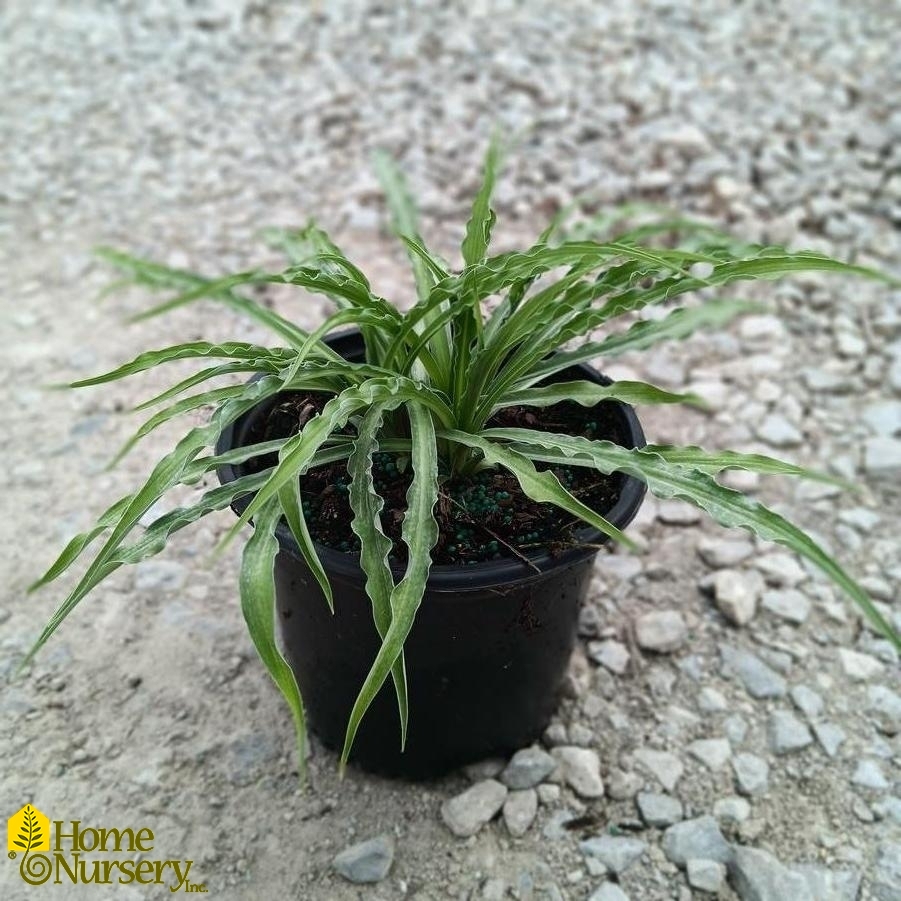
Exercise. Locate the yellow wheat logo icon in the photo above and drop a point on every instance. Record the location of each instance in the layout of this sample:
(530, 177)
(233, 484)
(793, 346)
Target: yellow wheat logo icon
(28, 831)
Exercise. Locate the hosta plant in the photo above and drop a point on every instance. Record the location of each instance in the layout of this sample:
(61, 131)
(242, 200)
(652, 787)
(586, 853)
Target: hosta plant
(489, 336)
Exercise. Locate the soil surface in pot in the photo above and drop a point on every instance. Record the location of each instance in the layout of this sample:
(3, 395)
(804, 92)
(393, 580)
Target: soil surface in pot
(481, 517)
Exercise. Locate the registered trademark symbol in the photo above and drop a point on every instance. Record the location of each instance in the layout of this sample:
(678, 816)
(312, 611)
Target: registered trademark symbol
(12, 855)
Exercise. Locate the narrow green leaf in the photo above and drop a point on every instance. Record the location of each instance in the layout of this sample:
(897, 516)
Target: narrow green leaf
(235, 350)
(403, 217)
(543, 487)
(713, 462)
(719, 461)
(727, 507)
(437, 267)
(155, 536)
(205, 375)
(197, 468)
(482, 218)
(289, 498)
(258, 604)
(196, 287)
(77, 545)
(153, 540)
(677, 325)
(363, 319)
(167, 473)
(312, 246)
(588, 394)
(179, 408)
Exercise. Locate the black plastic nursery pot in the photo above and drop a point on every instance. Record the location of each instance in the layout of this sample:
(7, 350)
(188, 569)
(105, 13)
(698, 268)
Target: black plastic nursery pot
(488, 651)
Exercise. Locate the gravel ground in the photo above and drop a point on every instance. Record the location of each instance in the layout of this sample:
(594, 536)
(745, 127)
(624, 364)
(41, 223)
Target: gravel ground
(764, 731)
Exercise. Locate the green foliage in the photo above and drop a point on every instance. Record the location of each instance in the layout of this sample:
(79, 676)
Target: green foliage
(432, 379)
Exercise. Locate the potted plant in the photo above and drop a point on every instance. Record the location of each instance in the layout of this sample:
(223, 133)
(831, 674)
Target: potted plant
(429, 490)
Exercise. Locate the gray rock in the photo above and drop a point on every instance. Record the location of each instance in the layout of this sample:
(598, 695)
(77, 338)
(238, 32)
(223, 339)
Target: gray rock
(758, 679)
(527, 768)
(621, 785)
(548, 794)
(736, 728)
(888, 809)
(617, 853)
(658, 809)
(14, 702)
(722, 552)
(581, 770)
(368, 861)
(781, 569)
(706, 875)
(883, 417)
(555, 828)
(555, 734)
(654, 180)
(519, 811)
(623, 567)
(666, 768)
(886, 876)
(489, 768)
(612, 655)
(862, 811)
(662, 631)
(786, 733)
(777, 431)
(678, 513)
(687, 139)
(885, 706)
(494, 889)
(807, 701)
(465, 814)
(581, 735)
(714, 753)
(249, 756)
(830, 885)
(882, 457)
(756, 875)
(711, 701)
(858, 666)
(736, 593)
(732, 810)
(861, 518)
(826, 381)
(609, 891)
(869, 775)
(788, 604)
(752, 774)
(829, 736)
(159, 575)
(696, 839)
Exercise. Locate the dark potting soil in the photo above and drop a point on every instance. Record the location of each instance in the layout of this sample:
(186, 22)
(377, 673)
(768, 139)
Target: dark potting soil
(481, 517)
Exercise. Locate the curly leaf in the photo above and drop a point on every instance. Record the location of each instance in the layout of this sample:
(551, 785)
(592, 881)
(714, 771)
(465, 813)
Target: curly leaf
(375, 546)
(419, 532)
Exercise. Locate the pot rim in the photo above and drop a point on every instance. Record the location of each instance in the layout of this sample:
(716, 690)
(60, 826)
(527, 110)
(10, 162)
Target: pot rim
(449, 576)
